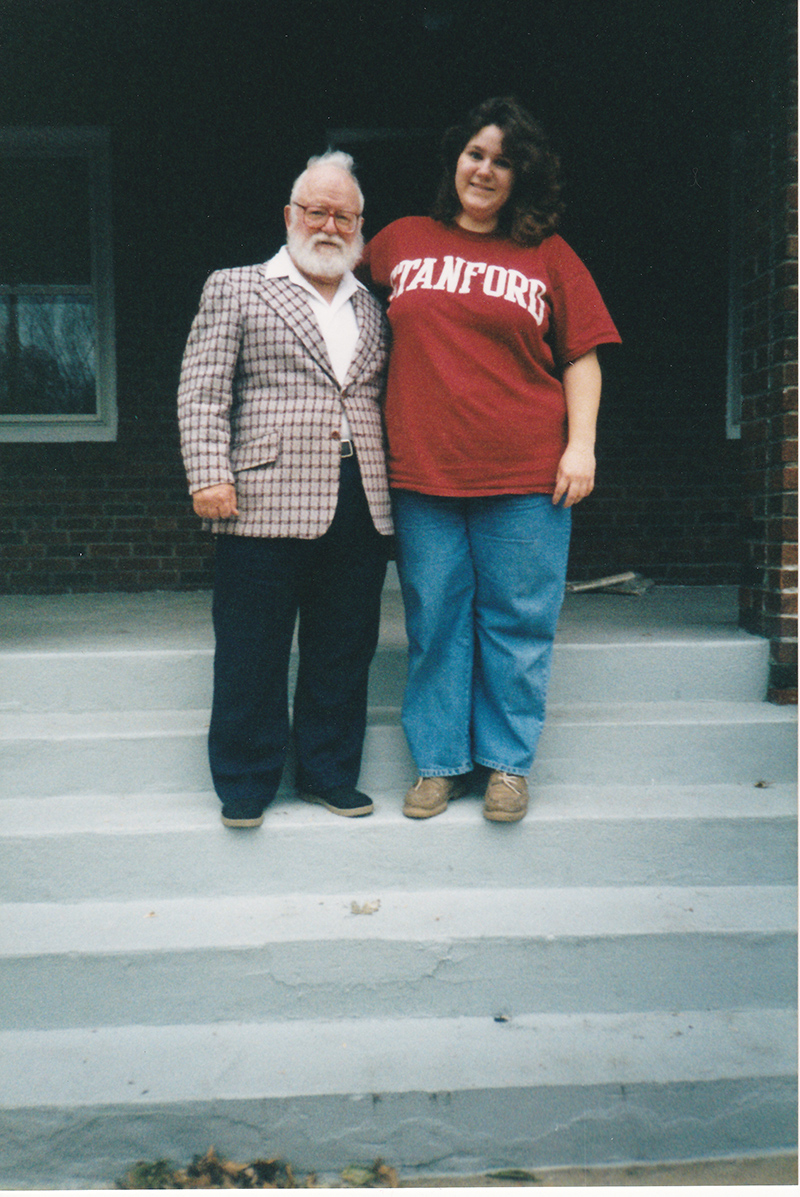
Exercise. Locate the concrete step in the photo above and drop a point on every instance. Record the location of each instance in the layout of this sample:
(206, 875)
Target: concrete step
(172, 845)
(132, 652)
(178, 678)
(182, 678)
(50, 754)
(390, 953)
(462, 1095)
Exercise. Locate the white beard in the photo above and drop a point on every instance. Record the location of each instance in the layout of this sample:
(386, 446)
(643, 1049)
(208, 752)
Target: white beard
(318, 259)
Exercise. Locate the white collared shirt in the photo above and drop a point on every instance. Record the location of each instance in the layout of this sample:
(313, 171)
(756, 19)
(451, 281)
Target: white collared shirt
(337, 319)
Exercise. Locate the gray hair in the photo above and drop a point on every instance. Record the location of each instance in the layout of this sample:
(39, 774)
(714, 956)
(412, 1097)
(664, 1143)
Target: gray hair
(329, 158)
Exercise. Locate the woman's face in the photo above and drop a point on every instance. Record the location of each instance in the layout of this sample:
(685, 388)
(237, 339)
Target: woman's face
(484, 179)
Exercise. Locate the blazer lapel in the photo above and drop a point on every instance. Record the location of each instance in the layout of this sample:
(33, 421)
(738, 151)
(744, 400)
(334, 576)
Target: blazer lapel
(292, 306)
(369, 328)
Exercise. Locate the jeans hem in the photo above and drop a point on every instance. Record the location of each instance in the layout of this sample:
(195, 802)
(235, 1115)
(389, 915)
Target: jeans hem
(458, 771)
(512, 770)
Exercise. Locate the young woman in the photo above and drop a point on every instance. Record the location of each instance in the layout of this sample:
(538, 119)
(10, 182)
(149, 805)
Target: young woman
(493, 392)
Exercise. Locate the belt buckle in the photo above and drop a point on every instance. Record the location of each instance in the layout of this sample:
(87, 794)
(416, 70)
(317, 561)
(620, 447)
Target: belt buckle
(347, 449)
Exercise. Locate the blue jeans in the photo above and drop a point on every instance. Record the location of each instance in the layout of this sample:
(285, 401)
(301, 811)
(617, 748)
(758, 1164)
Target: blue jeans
(261, 585)
(483, 583)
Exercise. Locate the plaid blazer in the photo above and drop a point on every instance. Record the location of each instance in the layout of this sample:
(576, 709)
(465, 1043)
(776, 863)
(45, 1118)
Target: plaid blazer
(259, 405)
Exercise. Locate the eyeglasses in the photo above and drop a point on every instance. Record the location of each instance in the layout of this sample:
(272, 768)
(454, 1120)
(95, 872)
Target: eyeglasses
(316, 218)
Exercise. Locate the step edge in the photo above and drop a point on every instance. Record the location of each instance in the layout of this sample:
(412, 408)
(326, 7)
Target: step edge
(393, 916)
(146, 1065)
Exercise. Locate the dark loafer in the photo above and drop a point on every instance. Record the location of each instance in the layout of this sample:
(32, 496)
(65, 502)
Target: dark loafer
(242, 814)
(341, 800)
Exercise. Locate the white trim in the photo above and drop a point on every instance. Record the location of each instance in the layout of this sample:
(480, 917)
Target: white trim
(733, 406)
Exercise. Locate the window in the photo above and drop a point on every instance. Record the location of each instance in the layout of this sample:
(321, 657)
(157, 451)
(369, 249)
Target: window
(57, 364)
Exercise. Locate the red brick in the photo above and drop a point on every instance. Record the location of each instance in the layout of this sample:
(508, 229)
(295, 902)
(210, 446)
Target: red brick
(782, 697)
(784, 479)
(784, 653)
(782, 580)
(109, 550)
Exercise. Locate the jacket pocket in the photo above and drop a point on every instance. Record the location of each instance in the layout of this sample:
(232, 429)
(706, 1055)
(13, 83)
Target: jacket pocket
(260, 451)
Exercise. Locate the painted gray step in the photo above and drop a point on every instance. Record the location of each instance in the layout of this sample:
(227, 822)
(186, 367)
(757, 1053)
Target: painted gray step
(733, 670)
(444, 954)
(48, 754)
(462, 1095)
(178, 678)
(156, 846)
(630, 743)
(115, 652)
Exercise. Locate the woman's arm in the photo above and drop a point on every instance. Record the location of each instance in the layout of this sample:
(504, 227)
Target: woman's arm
(575, 477)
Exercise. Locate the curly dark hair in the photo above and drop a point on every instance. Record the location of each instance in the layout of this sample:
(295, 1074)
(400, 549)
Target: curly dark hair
(534, 207)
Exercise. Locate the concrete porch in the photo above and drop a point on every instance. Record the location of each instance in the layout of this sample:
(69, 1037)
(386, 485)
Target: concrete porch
(610, 981)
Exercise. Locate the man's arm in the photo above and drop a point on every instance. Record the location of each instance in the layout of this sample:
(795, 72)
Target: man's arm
(582, 382)
(205, 395)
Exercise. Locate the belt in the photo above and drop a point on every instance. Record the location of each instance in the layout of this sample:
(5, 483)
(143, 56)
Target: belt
(348, 449)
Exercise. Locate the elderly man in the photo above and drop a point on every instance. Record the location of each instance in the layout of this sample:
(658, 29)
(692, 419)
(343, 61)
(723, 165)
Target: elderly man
(282, 439)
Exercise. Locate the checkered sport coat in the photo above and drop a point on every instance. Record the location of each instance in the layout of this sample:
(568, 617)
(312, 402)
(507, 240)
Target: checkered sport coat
(259, 405)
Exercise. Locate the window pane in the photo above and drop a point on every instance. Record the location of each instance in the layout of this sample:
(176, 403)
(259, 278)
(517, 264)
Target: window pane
(47, 355)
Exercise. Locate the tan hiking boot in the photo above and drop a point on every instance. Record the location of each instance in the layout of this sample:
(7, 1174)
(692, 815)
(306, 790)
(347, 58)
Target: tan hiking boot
(431, 795)
(506, 798)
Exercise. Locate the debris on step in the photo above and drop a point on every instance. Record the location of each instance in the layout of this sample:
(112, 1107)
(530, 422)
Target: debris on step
(211, 1171)
(627, 583)
(379, 1176)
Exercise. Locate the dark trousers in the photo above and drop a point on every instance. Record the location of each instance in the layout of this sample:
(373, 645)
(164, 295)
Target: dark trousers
(261, 585)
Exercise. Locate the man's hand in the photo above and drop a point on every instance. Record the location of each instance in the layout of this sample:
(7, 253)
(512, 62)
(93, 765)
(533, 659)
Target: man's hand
(216, 502)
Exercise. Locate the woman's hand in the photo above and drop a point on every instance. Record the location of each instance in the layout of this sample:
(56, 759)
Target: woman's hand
(575, 475)
(215, 502)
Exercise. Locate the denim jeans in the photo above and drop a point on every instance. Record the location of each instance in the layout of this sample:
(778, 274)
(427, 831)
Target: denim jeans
(261, 585)
(483, 583)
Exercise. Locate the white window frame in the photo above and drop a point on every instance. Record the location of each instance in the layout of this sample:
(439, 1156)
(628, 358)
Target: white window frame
(92, 144)
(739, 145)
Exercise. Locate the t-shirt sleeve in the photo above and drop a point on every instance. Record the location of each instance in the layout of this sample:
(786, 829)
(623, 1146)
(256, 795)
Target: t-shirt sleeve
(373, 269)
(581, 320)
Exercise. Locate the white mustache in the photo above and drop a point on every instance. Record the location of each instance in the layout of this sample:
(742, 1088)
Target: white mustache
(327, 239)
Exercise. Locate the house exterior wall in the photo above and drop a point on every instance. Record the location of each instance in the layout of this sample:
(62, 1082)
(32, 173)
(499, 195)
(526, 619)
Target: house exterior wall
(87, 517)
(199, 184)
(768, 596)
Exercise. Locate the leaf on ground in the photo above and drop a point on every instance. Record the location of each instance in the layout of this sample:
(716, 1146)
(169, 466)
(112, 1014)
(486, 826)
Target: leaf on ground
(512, 1174)
(367, 908)
(156, 1175)
(378, 1176)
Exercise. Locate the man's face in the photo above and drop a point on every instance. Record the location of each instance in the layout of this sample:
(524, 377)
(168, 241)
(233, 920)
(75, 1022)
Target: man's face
(327, 253)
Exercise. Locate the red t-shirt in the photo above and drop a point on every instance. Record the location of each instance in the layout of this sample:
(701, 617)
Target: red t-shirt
(482, 328)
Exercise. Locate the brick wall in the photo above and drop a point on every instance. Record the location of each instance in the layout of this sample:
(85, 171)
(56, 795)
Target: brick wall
(768, 597)
(94, 518)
